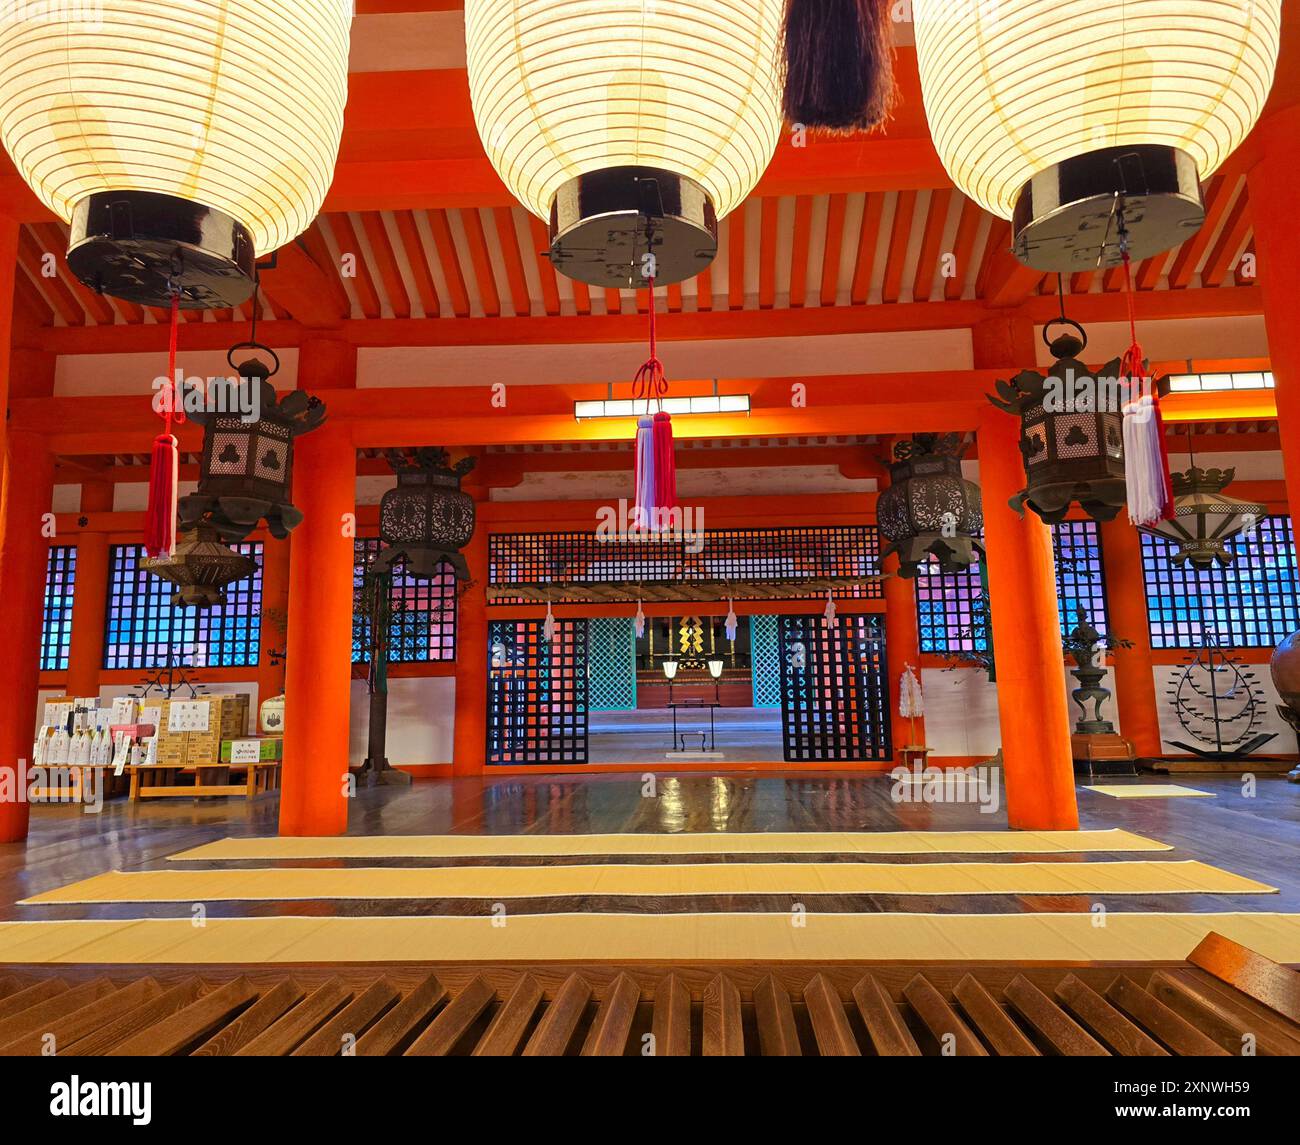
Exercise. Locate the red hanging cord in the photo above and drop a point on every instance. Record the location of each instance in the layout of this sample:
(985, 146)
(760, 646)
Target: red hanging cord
(650, 383)
(164, 468)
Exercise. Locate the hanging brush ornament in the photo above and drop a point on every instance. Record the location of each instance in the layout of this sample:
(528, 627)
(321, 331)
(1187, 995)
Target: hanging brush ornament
(1149, 485)
(656, 463)
(829, 619)
(638, 622)
(732, 622)
(839, 63)
(549, 628)
(165, 463)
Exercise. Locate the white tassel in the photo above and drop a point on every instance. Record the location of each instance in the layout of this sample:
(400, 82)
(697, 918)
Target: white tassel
(1143, 465)
(549, 628)
(828, 617)
(639, 622)
(911, 703)
(733, 621)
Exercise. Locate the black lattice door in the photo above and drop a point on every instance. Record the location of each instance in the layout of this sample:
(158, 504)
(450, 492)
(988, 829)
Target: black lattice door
(834, 692)
(537, 693)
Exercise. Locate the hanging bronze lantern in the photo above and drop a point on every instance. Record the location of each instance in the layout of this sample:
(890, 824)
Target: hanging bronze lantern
(930, 509)
(201, 568)
(426, 519)
(1204, 520)
(1071, 432)
(246, 474)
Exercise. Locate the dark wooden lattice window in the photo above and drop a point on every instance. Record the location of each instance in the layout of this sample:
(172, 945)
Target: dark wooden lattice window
(56, 621)
(145, 630)
(1253, 603)
(423, 613)
(950, 607)
(537, 693)
(834, 696)
(710, 555)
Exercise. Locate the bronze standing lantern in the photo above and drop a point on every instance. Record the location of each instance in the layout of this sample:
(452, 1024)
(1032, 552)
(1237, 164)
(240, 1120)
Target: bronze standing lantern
(930, 509)
(1071, 432)
(426, 519)
(246, 473)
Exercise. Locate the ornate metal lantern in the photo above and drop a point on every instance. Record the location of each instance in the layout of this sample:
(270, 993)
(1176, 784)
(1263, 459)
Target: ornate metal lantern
(1204, 520)
(1071, 432)
(246, 474)
(201, 568)
(426, 519)
(929, 508)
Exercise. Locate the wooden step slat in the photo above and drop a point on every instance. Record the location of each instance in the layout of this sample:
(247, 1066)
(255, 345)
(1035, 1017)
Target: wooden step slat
(1054, 1025)
(608, 1034)
(1275, 986)
(259, 1017)
(557, 1025)
(328, 1041)
(128, 1025)
(283, 1035)
(724, 1036)
(196, 1022)
(38, 1018)
(67, 1030)
(889, 1033)
(505, 1035)
(29, 996)
(829, 1022)
(1106, 1022)
(1006, 1038)
(671, 1025)
(9, 985)
(447, 1029)
(398, 1026)
(1218, 1018)
(1172, 1029)
(941, 1019)
(774, 1014)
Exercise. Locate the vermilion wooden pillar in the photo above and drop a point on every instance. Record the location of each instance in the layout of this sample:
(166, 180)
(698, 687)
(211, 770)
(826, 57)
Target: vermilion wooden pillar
(1024, 611)
(275, 602)
(1274, 210)
(318, 672)
(1133, 680)
(469, 751)
(28, 491)
(90, 596)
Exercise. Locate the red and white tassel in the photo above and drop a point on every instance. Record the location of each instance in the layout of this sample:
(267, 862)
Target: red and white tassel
(1149, 486)
(656, 466)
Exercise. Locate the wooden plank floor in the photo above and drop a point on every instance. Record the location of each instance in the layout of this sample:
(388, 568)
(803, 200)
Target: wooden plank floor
(1221, 1002)
(1257, 836)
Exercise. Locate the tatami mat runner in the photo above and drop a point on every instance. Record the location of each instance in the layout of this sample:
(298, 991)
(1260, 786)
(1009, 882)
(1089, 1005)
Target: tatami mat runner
(678, 938)
(656, 880)
(1148, 791)
(695, 843)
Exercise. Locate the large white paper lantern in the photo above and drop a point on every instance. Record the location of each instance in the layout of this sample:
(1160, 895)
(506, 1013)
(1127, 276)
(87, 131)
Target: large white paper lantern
(1044, 111)
(206, 129)
(610, 117)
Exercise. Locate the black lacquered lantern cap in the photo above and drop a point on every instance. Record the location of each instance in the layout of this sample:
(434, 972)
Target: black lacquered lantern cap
(134, 245)
(605, 223)
(1066, 217)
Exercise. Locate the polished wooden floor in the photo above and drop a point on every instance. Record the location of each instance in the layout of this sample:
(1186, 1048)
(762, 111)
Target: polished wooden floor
(1256, 835)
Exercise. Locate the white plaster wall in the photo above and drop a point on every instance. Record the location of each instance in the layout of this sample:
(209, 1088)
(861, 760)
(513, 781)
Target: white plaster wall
(421, 715)
(962, 711)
